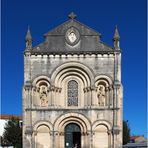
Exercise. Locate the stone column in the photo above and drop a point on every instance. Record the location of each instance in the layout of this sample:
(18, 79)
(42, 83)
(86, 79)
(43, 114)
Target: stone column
(49, 96)
(89, 139)
(61, 140)
(93, 96)
(92, 137)
(56, 140)
(83, 140)
(117, 79)
(107, 96)
(109, 138)
(116, 103)
(34, 97)
(110, 96)
(51, 139)
(34, 139)
(89, 96)
(52, 95)
(115, 106)
(27, 121)
(28, 135)
(115, 133)
(85, 97)
(57, 96)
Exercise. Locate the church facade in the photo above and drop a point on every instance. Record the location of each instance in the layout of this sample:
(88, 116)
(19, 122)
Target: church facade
(72, 93)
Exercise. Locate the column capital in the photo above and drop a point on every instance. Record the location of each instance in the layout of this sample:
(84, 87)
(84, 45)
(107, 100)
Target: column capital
(56, 133)
(93, 88)
(28, 130)
(87, 89)
(116, 130)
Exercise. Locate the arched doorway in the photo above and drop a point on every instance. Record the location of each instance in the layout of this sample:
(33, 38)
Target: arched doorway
(72, 136)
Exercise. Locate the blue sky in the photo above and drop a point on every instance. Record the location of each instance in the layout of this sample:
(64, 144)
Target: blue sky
(101, 15)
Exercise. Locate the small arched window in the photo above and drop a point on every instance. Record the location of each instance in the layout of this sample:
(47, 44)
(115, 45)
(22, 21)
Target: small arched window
(72, 93)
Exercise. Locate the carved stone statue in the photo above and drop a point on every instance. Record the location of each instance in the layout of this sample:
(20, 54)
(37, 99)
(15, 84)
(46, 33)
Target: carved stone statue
(43, 96)
(101, 94)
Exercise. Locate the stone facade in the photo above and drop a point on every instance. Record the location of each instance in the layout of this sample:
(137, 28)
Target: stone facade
(72, 94)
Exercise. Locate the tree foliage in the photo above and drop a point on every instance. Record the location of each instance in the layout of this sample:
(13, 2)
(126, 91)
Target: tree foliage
(126, 132)
(12, 135)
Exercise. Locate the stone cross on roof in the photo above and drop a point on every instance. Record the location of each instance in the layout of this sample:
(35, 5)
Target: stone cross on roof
(72, 15)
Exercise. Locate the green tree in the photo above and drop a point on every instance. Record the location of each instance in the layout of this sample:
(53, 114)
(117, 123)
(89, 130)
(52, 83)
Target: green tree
(126, 132)
(12, 135)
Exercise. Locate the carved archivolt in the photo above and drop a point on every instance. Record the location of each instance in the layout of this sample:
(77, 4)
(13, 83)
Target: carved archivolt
(72, 68)
(73, 78)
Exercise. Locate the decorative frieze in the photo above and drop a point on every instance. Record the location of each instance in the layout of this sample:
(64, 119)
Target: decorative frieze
(55, 89)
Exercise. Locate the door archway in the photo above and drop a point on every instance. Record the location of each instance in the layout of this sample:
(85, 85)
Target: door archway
(72, 136)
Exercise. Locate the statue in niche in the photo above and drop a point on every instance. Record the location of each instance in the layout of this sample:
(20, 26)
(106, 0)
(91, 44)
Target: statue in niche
(101, 95)
(43, 96)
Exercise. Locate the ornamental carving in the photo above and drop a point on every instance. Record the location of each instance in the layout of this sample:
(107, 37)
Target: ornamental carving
(72, 36)
(43, 96)
(101, 94)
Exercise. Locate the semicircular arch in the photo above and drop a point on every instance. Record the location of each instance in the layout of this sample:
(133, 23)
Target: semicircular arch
(105, 78)
(68, 118)
(46, 123)
(101, 122)
(68, 67)
(40, 78)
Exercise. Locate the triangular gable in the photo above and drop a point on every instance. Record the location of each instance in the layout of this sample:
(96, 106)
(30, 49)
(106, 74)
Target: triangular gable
(61, 29)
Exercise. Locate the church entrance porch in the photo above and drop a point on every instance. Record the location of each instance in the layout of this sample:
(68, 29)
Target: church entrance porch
(72, 136)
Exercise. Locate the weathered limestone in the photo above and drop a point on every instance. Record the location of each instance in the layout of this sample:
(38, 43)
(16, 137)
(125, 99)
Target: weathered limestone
(72, 79)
